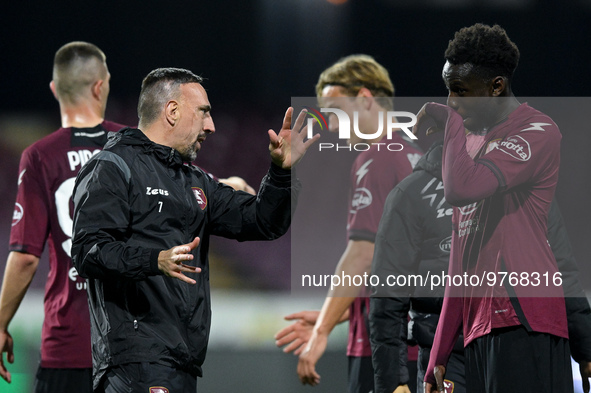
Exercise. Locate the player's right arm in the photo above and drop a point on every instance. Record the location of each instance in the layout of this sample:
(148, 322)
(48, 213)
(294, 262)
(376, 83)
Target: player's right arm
(295, 337)
(446, 335)
(356, 260)
(19, 272)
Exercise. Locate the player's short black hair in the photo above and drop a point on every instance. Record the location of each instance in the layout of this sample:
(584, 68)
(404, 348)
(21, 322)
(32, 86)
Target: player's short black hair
(159, 86)
(487, 48)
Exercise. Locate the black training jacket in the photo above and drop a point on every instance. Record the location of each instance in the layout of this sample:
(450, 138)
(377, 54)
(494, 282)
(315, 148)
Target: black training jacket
(135, 199)
(414, 238)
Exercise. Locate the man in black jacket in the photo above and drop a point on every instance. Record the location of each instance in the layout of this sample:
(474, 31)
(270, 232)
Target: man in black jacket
(414, 237)
(142, 223)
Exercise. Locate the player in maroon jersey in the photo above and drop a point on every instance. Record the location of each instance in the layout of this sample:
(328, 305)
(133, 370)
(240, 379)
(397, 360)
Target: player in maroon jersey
(43, 214)
(501, 176)
(355, 83)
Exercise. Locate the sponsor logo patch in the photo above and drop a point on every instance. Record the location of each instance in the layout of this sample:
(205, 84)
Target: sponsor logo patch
(445, 244)
(200, 196)
(517, 147)
(156, 191)
(17, 215)
(73, 275)
(158, 389)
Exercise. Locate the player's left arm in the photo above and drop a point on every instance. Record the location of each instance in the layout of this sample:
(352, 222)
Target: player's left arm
(19, 272)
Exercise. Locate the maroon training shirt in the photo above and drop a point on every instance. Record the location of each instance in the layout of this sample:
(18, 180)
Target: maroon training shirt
(501, 226)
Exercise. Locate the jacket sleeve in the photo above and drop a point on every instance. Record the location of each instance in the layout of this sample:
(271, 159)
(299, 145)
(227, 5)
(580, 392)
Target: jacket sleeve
(388, 332)
(102, 223)
(266, 216)
(578, 312)
(397, 252)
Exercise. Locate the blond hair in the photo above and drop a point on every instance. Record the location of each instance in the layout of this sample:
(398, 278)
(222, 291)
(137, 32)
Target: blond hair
(355, 72)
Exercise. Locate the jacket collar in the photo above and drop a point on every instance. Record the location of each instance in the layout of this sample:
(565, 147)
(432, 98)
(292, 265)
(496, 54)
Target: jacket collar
(135, 137)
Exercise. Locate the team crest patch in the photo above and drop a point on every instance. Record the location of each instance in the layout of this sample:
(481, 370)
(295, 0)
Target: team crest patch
(200, 196)
(448, 386)
(361, 199)
(17, 214)
(158, 389)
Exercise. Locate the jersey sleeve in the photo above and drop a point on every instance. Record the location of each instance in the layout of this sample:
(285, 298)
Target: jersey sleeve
(30, 223)
(464, 180)
(530, 151)
(446, 335)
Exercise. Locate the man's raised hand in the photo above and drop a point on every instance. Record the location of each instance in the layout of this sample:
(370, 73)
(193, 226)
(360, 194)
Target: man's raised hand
(289, 146)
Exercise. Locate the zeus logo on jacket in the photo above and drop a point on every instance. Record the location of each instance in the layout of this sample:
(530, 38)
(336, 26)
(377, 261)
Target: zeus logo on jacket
(156, 191)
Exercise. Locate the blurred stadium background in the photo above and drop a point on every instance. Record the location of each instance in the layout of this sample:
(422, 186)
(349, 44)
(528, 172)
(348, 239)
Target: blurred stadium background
(255, 56)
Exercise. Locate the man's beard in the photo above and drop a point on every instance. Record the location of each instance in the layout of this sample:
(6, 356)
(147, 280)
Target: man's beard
(189, 154)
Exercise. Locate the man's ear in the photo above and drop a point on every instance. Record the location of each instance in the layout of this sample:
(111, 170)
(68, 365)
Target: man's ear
(172, 112)
(366, 98)
(97, 89)
(498, 86)
(52, 88)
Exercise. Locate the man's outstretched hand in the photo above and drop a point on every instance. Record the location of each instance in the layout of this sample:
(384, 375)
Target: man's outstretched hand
(170, 262)
(297, 335)
(288, 147)
(6, 345)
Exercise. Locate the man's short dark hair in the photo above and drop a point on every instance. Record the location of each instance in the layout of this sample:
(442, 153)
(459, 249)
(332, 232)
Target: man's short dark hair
(160, 86)
(487, 48)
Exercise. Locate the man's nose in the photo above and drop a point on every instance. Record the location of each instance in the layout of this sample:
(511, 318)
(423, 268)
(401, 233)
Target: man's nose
(452, 101)
(208, 125)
